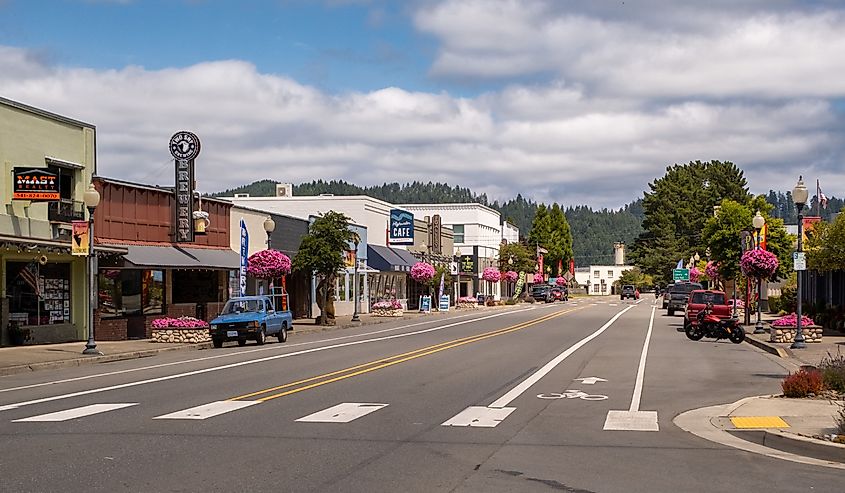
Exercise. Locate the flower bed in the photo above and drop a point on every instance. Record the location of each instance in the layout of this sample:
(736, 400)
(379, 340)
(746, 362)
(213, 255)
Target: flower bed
(785, 329)
(467, 302)
(185, 330)
(389, 308)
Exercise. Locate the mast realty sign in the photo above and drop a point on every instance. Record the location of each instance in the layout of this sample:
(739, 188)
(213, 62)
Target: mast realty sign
(35, 184)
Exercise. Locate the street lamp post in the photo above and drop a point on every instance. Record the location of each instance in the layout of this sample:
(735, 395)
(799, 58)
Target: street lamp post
(458, 293)
(269, 227)
(799, 195)
(91, 198)
(511, 290)
(355, 317)
(758, 222)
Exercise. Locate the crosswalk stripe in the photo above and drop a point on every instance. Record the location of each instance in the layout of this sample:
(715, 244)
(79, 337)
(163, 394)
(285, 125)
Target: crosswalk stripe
(209, 410)
(77, 412)
(342, 413)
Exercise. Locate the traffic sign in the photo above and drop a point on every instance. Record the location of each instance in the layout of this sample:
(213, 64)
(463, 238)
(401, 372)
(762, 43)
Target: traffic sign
(799, 259)
(680, 274)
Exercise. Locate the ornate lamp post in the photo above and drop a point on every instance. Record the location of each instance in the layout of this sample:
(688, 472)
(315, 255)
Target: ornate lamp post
(511, 289)
(458, 294)
(91, 198)
(355, 318)
(269, 227)
(758, 222)
(799, 196)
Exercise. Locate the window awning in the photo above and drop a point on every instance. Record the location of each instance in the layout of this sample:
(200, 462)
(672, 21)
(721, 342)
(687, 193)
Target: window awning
(182, 258)
(389, 259)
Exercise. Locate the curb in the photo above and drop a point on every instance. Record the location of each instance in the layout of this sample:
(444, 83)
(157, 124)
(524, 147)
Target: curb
(90, 360)
(776, 350)
(794, 444)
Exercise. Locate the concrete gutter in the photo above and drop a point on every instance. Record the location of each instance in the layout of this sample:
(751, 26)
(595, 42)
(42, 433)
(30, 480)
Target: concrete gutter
(765, 346)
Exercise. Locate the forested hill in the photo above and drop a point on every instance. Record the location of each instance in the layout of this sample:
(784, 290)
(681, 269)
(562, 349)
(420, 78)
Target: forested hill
(593, 231)
(785, 207)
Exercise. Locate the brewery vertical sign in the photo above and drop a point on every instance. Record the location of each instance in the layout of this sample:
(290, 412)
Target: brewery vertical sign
(185, 147)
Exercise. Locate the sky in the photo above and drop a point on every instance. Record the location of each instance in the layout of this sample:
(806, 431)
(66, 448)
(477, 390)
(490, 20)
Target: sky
(576, 102)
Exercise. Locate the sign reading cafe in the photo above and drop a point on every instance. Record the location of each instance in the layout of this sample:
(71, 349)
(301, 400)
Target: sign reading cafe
(401, 230)
(185, 147)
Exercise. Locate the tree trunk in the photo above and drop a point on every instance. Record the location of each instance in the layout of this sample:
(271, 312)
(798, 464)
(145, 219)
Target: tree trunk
(328, 315)
(321, 300)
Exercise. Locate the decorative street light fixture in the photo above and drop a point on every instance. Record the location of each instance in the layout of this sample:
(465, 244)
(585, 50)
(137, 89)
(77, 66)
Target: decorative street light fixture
(458, 293)
(356, 240)
(758, 222)
(269, 227)
(799, 196)
(91, 198)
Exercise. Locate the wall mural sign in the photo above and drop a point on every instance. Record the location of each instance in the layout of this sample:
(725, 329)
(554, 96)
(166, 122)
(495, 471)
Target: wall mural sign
(401, 229)
(185, 147)
(35, 184)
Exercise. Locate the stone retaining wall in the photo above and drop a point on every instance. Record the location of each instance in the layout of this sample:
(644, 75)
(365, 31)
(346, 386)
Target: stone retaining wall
(473, 305)
(383, 312)
(184, 336)
(812, 333)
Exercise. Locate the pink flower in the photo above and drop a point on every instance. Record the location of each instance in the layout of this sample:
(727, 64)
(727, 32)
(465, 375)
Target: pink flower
(422, 272)
(268, 264)
(712, 270)
(560, 281)
(387, 305)
(491, 274)
(510, 276)
(538, 278)
(694, 274)
(467, 299)
(760, 264)
(791, 320)
(179, 323)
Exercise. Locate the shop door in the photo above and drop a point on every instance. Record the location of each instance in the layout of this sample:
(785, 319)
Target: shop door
(135, 327)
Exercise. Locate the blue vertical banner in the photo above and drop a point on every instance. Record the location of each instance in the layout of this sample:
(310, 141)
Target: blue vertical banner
(244, 256)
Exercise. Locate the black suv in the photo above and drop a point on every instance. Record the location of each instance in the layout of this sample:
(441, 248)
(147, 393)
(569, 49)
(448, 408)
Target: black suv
(628, 291)
(543, 292)
(678, 295)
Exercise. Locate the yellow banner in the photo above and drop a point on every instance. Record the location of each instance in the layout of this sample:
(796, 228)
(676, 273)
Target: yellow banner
(80, 239)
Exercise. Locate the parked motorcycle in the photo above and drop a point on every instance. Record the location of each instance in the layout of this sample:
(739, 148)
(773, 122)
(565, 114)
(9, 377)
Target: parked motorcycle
(710, 325)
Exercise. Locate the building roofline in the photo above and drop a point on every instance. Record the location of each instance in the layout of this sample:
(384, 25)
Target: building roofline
(313, 198)
(45, 113)
(262, 211)
(451, 204)
(154, 188)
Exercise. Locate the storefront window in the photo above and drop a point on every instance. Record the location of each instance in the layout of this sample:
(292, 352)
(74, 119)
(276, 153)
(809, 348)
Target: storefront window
(197, 286)
(130, 292)
(38, 294)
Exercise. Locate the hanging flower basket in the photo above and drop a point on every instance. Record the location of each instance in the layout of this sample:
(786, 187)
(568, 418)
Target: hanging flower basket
(560, 281)
(538, 278)
(422, 272)
(694, 274)
(760, 264)
(268, 264)
(491, 274)
(712, 270)
(510, 276)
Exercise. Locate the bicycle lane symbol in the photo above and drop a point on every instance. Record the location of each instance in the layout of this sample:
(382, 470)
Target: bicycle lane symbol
(572, 394)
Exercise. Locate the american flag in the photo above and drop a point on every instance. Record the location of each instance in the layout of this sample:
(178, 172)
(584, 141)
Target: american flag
(31, 277)
(821, 196)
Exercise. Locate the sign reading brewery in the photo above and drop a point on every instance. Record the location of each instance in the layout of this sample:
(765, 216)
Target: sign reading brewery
(185, 147)
(401, 227)
(35, 184)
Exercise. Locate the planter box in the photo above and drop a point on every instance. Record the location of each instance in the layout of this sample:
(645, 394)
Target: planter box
(181, 335)
(812, 333)
(384, 312)
(471, 305)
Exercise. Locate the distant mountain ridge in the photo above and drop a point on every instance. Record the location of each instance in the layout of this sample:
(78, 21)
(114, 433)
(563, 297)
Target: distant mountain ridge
(593, 231)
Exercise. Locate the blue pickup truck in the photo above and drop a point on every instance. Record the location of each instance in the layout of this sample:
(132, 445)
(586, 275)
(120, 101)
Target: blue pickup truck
(250, 318)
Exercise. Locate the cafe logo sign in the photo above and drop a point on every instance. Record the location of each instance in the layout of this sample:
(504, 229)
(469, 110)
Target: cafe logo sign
(401, 227)
(185, 147)
(35, 184)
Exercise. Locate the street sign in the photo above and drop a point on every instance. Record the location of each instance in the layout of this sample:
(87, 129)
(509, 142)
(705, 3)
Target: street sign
(680, 274)
(799, 259)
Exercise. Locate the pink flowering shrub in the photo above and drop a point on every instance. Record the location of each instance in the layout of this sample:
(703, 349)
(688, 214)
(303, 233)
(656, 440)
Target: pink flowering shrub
(179, 323)
(467, 299)
(560, 281)
(491, 274)
(422, 272)
(712, 270)
(387, 305)
(538, 278)
(268, 264)
(759, 264)
(791, 320)
(694, 274)
(510, 276)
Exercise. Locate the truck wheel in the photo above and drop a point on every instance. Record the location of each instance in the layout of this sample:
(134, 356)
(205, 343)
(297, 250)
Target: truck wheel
(260, 337)
(283, 334)
(218, 343)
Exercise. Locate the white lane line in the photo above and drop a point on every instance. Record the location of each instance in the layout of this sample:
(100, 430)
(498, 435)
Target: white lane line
(633, 419)
(209, 410)
(528, 382)
(342, 413)
(240, 363)
(480, 417)
(231, 354)
(77, 412)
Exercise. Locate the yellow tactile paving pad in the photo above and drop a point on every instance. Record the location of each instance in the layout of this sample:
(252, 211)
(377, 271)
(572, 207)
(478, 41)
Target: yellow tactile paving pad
(743, 422)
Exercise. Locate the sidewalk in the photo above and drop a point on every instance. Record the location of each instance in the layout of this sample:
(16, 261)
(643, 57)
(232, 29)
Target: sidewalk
(811, 355)
(22, 359)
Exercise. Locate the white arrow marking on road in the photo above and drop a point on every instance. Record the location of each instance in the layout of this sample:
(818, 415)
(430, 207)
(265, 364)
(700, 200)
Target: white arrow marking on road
(590, 380)
(633, 419)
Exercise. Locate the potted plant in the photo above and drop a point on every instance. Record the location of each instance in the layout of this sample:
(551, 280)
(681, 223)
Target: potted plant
(18, 334)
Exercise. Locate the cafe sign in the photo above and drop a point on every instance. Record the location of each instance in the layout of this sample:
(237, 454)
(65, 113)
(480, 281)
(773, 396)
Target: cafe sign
(401, 227)
(35, 184)
(185, 147)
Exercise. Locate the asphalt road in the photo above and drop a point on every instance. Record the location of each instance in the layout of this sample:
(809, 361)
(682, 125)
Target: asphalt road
(487, 401)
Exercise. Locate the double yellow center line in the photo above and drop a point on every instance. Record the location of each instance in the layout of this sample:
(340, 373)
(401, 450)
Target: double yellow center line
(327, 378)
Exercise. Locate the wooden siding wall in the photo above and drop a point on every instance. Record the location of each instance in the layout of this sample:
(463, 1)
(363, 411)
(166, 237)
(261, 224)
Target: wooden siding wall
(132, 213)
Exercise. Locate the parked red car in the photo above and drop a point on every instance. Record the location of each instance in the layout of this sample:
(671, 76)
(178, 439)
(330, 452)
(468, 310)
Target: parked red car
(699, 299)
